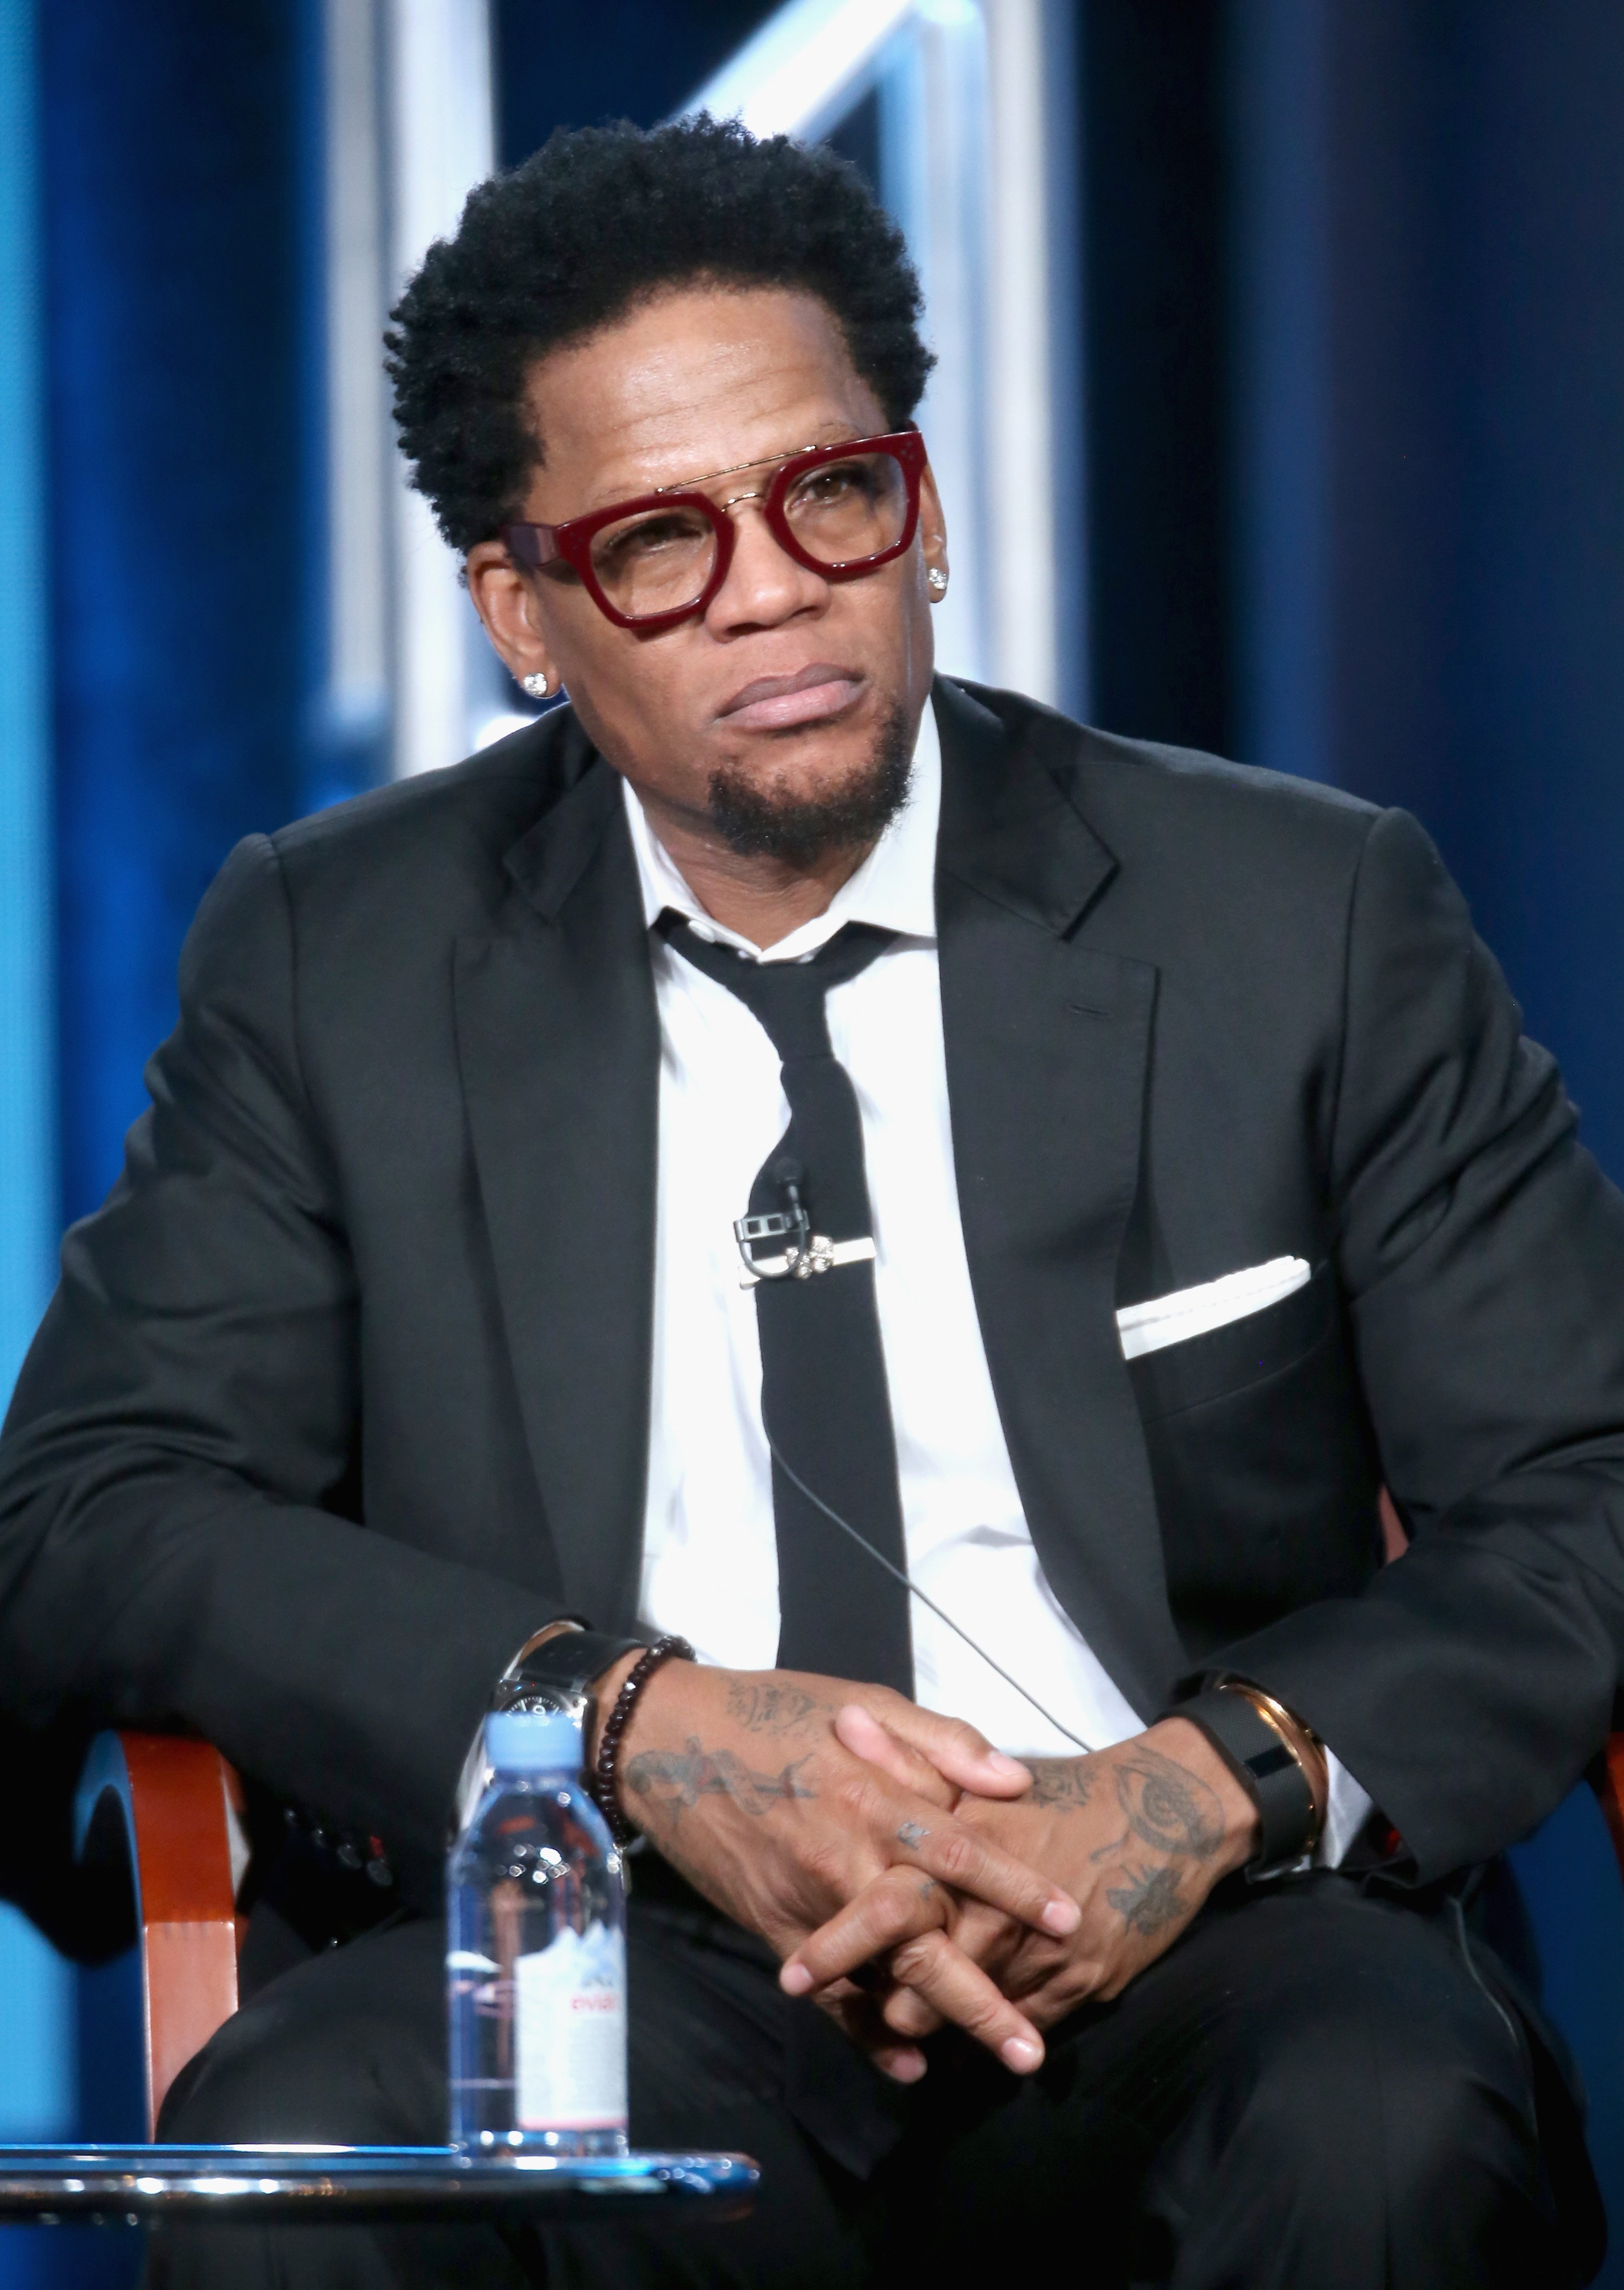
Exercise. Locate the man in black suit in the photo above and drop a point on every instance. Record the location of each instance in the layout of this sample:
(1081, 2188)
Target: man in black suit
(395, 1365)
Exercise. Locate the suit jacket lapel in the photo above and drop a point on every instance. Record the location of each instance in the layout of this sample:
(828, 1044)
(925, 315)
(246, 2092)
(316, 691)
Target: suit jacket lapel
(1046, 1048)
(558, 1045)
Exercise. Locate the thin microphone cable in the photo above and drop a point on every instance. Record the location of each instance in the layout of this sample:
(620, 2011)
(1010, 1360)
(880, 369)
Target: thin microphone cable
(1478, 1982)
(908, 1584)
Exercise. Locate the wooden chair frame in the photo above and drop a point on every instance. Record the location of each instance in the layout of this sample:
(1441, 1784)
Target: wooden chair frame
(164, 1802)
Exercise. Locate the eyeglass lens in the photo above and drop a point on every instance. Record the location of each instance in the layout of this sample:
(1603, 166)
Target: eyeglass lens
(663, 558)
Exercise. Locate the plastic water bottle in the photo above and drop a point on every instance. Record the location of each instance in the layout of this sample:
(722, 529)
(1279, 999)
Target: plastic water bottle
(536, 1960)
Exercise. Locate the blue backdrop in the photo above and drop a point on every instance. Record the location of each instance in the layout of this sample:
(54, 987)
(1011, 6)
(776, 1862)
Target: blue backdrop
(174, 186)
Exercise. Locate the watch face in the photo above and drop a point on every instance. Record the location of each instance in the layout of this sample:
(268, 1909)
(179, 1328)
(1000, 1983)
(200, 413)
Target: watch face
(523, 1693)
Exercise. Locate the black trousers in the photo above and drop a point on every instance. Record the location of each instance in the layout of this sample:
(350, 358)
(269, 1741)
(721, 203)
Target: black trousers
(1311, 2089)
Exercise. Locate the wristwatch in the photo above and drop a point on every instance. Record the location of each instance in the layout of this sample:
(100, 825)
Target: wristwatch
(555, 1669)
(1266, 1746)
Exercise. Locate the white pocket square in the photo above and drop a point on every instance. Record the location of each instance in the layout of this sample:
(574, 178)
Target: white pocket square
(1193, 1311)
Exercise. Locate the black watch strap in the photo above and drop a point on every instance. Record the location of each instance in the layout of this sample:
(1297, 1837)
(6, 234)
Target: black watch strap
(559, 1672)
(1265, 1768)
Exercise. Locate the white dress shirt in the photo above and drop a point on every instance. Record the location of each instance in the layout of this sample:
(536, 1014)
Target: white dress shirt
(709, 1554)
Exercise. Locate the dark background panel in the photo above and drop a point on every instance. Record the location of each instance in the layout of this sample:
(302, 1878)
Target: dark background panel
(560, 64)
(1150, 93)
(1468, 435)
(172, 195)
(1535, 808)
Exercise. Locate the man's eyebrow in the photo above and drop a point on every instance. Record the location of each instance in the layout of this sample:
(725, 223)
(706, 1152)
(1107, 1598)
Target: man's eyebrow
(739, 468)
(631, 490)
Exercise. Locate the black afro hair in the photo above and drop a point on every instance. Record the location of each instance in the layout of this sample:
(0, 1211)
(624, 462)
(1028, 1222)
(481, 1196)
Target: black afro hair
(597, 222)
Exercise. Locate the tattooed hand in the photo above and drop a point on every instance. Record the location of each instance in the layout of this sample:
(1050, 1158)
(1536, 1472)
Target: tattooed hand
(679, 1777)
(1138, 1835)
(770, 1706)
(744, 1785)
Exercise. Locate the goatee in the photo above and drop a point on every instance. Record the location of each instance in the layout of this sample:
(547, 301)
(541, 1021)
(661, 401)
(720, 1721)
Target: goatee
(761, 822)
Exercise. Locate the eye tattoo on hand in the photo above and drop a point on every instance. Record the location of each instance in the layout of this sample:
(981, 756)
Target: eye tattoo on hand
(1169, 1808)
(912, 1833)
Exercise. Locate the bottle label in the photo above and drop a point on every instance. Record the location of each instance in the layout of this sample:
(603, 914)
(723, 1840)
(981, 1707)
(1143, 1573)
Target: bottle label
(570, 2033)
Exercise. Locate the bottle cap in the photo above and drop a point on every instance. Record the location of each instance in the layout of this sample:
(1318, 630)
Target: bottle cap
(533, 1741)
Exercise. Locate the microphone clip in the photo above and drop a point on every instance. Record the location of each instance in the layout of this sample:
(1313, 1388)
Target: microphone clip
(803, 1251)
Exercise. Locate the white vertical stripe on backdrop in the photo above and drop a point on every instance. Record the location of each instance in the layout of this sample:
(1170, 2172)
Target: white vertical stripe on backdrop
(440, 141)
(360, 456)
(1019, 359)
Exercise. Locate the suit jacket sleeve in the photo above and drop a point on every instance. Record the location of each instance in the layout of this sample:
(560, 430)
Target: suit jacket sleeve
(183, 1446)
(1481, 1253)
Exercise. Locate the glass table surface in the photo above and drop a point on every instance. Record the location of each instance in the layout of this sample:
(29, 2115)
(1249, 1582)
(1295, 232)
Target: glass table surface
(50, 2185)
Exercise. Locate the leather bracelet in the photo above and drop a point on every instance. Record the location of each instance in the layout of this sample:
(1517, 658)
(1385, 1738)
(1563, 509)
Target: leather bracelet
(603, 1782)
(1268, 1768)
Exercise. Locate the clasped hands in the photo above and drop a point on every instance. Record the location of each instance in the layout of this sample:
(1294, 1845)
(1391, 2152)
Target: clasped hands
(905, 1872)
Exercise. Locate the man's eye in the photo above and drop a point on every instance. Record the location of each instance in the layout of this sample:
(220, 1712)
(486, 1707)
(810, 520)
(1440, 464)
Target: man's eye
(833, 483)
(629, 541)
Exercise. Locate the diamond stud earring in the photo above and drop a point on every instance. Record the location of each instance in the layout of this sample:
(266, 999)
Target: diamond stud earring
(538, 686)
(937, 580)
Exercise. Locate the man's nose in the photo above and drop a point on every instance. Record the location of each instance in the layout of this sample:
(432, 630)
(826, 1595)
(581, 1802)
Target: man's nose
(765, 586)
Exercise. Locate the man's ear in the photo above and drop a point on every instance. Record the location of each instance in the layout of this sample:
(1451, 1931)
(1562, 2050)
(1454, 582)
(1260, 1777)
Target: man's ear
(932, 533)
(507, 604)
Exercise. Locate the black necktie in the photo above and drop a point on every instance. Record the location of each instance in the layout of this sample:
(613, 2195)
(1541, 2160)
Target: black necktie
(823, 1391)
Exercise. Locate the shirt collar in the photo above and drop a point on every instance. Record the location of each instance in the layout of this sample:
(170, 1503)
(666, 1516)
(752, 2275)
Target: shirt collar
(894, 888)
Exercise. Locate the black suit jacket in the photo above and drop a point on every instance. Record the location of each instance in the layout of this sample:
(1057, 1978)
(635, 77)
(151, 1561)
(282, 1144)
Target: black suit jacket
(345, 1389)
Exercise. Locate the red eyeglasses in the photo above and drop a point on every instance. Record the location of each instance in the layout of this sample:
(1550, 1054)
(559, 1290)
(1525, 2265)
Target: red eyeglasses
(839, 511)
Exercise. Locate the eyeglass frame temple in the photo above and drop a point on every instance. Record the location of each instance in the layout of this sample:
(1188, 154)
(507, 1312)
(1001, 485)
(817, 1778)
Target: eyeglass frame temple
(569, 543)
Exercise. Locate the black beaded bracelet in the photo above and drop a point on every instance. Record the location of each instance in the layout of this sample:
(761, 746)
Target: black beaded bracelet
(603, 1782)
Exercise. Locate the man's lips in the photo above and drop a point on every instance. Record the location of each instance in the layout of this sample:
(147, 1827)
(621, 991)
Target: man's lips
(774, 702)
